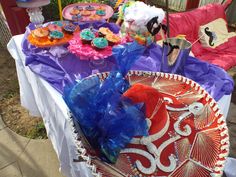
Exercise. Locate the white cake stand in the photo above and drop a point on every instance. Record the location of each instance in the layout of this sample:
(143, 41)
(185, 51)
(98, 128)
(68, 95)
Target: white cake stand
(34, 9)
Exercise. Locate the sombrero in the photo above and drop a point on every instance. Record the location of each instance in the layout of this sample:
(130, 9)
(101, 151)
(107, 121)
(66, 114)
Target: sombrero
(187, 133)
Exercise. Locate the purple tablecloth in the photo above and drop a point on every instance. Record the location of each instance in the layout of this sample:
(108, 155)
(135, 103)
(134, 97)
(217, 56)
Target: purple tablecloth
(57, 66)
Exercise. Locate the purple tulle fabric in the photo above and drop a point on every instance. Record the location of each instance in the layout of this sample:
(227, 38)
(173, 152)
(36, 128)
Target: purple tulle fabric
(57, 66)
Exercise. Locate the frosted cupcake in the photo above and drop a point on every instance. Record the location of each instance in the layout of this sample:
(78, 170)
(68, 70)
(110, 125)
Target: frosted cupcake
(54, 27)
(101, 12)
(70, 29)
(112, 39)
(80, 8)
(74, 11)
(76, 17)
(40, 33)
(90, 8)
(99, 43)
(86, 36)
(102, 32)
(85, 13)
(56, 35)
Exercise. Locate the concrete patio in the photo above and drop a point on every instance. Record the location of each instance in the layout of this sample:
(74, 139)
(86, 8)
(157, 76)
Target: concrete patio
(23, 157)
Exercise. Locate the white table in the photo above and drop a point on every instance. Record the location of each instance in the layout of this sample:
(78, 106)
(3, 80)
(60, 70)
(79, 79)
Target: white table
(41, 99)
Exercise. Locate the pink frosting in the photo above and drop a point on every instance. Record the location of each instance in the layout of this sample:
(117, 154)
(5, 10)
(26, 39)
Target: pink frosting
(86, 51)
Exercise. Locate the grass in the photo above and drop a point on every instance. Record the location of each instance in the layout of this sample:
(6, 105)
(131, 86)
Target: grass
(37, 132)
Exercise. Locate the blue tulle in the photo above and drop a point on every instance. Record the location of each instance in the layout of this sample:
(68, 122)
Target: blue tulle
(126, 55)
(108, 120)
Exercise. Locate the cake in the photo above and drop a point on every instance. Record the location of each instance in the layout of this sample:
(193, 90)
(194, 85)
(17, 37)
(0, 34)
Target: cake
(103, 31)
(54, 27)
(85, 13)
(56, 35)
(112, 39)
(90, 8)
(87, 36)
(99, 43)
(70, 29)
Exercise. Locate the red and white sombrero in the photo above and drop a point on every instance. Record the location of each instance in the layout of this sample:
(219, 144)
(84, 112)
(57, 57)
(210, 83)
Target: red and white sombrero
(188, 136)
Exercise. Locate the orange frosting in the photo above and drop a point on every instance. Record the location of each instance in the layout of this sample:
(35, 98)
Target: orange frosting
(85, 13)
(105, 31)
(40, 32)
(113, 38)
(95, 17)
(74, 12)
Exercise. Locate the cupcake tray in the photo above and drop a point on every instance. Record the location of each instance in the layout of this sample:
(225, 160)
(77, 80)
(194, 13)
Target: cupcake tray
(66, 11)
(46, 42)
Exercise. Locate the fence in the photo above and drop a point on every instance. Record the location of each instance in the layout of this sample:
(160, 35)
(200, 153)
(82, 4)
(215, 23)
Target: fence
(5, 34)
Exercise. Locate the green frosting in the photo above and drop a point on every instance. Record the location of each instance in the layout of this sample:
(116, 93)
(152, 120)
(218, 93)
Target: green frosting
(56, 34)
(87, 34)
(100, 12)
(100, 42)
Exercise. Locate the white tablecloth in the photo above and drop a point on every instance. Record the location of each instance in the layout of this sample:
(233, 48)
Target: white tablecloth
(43, 100)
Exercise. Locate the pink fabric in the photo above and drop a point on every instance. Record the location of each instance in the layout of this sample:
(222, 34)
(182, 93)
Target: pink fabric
(86, 51)
(188, 23)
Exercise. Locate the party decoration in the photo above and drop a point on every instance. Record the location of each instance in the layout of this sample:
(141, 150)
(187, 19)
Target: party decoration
(187, 134)
(108, 120)
(142, 27)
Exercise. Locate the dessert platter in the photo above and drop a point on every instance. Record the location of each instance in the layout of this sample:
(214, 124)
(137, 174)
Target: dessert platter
(187, 134)
(94, 44)
(87, 12)
(53, 34)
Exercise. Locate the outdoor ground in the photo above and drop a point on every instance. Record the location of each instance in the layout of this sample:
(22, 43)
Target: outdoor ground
(14, 116)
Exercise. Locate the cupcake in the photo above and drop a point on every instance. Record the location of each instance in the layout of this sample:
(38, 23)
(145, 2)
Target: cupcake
(102, 32)
(101, 8)
(112, 39)
(53, 27)
(94, 17)
(74, 11)
(90, 8)
(80, 8)
(70, 29)
(77, 17)
(99, 43)
(40, 33)
(86, 36)
(85, 13)
(59, 23)
(101, 12)
(56, 35)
